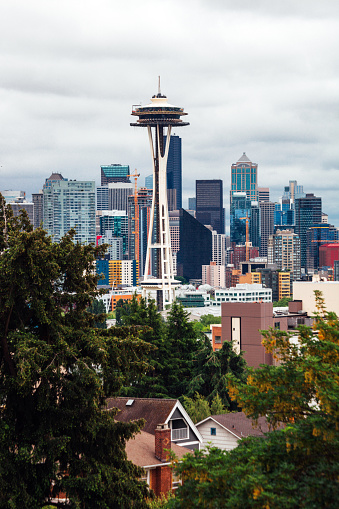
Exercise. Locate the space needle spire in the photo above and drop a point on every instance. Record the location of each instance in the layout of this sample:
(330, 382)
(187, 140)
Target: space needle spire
(159, 116)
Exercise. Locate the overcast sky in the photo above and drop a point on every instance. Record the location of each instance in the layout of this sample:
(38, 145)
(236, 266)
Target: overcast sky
(260, 77)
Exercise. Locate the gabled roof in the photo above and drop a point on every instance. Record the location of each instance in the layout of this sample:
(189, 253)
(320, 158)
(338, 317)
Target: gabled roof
(244, 159)
(239, 425)
(141, 450)
(154, 410)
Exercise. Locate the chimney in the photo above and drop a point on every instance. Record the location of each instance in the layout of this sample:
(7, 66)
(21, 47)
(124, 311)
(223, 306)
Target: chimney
(162, 441)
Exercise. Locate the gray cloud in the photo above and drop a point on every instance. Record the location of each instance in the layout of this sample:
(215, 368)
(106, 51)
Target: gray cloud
(257, 77)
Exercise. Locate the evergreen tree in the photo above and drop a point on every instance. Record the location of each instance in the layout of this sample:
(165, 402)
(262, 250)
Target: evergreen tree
(98, 308)
(56, 371)
(296, 466)
(210, 370)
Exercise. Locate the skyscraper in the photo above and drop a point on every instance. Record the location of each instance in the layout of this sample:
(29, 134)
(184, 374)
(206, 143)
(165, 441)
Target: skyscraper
(174, 168)
(307, 214)
(144, 204)
(240, 210)
(114, 173)
(195, 246)
(266, 224)
(244, 178)
(316, 236)
(70, 204)
(284, 251)
(114, 196)
(209, 204)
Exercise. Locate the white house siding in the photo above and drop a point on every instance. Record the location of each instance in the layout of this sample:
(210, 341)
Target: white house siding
(223, 439)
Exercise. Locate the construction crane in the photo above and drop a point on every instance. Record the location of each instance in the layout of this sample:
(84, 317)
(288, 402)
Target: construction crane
(135, 175)
(247, 244)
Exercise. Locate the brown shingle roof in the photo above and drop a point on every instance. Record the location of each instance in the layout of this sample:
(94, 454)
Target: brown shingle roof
(141, 450)
(241, 425)
(154, 411)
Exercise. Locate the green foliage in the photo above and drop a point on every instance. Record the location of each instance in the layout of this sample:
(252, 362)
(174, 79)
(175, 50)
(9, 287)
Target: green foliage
(217, 406)
(160, 502)
(182, 280)
(56, 370)
(207, 320)
(210, 370)
(198, 408)
(296, 466)
(175, 345)
(122, 309)
(97, 307)
(182, 361)
(282, 302)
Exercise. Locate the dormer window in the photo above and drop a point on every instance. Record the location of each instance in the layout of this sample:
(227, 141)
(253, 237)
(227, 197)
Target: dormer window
(179, 429)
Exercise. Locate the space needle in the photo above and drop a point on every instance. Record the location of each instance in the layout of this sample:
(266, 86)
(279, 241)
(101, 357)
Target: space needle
(158, 273)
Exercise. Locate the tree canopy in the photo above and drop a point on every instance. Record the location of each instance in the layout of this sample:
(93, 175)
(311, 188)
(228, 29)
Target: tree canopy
(56, 370)
(182, 358)
(297, 464)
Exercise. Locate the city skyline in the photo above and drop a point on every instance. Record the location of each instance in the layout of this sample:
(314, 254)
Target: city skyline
(270, 92)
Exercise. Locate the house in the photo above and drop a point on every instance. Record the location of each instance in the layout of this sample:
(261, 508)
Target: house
(225, 430)
(157, 411)
(152, 453)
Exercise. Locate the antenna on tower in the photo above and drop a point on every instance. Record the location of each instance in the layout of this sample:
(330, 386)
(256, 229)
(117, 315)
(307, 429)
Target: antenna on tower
(159, 91)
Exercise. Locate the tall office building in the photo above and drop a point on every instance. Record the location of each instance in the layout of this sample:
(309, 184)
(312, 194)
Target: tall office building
(114, 173)
(38, 200)
(195, 246)
(209, 204)
(293, 191)
(174, 169)
(244, 178)
(22, 204)
(115, 222)
(263, 194)
(149, 182)
(192, 203)
(144, 204)
(240, 210)
(114, 196)
(70, 204)
(316, 236)
(218, 248)
(115, 245)
(266, 224)
(284, 251)
(307, 214)
(254, 225)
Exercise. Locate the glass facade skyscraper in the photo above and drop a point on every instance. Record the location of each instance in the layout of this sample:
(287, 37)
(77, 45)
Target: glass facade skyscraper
(70, 204)
(114, 173)
(307, 214)
(244, 178)
(209, 204)
(174, 168)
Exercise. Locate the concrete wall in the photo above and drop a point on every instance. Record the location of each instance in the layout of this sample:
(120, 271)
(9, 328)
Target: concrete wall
(254, 316)
(304, 290)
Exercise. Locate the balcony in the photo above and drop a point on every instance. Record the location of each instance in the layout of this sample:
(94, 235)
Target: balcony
(179, 434)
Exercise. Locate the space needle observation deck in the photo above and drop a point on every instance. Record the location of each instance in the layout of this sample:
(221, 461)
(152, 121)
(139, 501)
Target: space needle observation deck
(159, 116)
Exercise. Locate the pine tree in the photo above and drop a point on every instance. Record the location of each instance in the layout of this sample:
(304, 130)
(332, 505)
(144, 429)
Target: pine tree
(56, 371)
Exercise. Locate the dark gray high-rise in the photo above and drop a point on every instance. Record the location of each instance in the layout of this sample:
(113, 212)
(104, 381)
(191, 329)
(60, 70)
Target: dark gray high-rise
(174, 168)
(209, 204)
(307, 214)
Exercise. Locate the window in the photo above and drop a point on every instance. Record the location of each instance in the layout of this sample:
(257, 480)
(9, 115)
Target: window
(217, 339)
(213, 431)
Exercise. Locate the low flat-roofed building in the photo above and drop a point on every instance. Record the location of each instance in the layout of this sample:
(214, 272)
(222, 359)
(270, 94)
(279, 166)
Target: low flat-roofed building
(243, 293)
